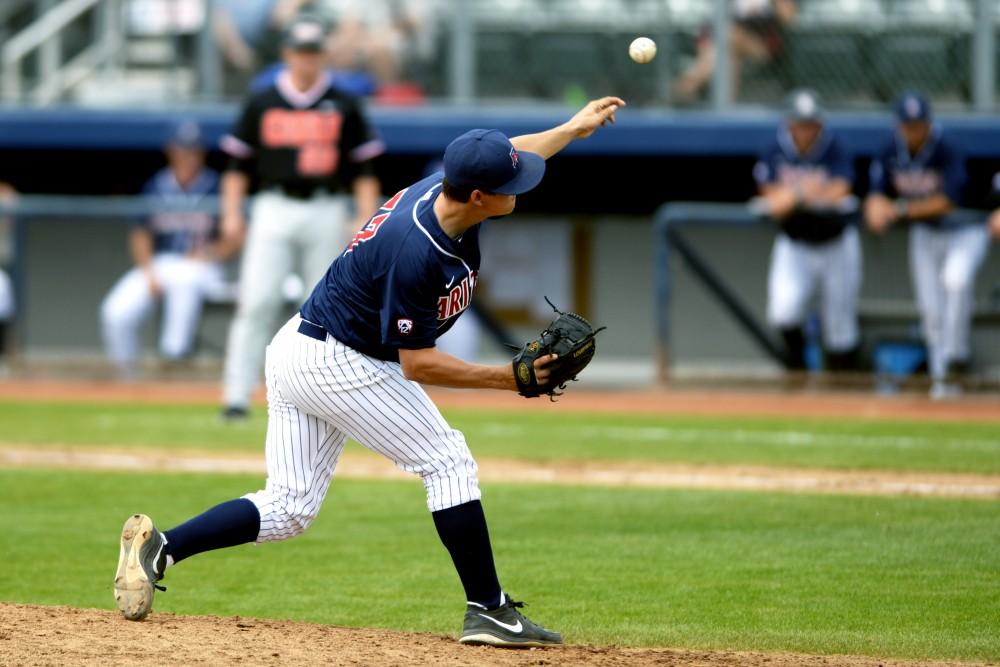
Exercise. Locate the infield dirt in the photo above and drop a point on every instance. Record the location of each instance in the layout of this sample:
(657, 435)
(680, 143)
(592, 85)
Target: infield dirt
(35, 635)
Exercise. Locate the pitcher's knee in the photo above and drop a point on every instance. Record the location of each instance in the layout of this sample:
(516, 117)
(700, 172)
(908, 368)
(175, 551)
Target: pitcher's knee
(454, 483)
(281, 517)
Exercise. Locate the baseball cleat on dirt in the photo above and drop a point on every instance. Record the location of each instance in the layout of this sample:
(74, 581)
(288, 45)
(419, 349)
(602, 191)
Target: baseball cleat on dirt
(504, 626)
(141, 563)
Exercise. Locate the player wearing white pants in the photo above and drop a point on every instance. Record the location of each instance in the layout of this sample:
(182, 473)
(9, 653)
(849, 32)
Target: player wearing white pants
(349, 366)
(6, 310)
(943, 264)
(320, 393)
(805, 179)
(285, 236)
(6, 297)
(919, 179)
(302, 142)
(182, 282)
(801, 270)
(176, 253)
(7, 301)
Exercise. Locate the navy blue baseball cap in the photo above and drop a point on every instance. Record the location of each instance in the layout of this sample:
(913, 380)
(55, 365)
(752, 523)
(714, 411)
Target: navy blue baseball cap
(306, 33)
(486, 160)
(186, 134)
(911, 107)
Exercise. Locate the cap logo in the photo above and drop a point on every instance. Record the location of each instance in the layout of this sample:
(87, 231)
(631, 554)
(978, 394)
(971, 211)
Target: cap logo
(404, 325)
(805, 104)
(513, 157)
(307, 32)
(912, 107)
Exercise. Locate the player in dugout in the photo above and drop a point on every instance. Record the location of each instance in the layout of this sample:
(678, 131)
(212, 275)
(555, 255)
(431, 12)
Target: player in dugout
(805, 179)
(919, 180)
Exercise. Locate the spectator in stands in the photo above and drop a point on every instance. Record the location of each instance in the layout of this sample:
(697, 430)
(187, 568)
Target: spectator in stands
(756, 34)
(389, 38)
(248, 33)
(919, 179)
(7, 195)
(805, 179)
(177, 257)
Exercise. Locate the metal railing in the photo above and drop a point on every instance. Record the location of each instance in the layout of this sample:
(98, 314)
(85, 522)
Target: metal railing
(45, 36)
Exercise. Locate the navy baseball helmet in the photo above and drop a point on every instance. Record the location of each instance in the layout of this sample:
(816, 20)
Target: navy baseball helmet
(912, 107)
(803, 105)
(186, 134)
(486, 160)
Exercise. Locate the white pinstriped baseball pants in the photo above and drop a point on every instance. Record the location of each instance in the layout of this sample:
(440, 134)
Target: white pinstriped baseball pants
(321, 392)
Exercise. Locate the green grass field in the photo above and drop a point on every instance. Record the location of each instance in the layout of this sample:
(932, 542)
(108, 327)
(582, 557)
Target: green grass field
(839, 444)
(892, 577)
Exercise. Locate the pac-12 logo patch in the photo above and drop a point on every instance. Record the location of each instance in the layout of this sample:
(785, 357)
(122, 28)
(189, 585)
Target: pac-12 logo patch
(404, 325)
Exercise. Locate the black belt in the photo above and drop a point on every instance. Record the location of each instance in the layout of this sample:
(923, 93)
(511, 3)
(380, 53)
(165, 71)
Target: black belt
(312, 330)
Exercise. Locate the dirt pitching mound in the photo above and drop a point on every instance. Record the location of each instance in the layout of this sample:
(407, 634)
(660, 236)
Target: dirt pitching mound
(37, 635)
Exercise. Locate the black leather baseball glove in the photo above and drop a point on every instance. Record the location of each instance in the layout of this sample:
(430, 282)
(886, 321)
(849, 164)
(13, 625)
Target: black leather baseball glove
(569, 336)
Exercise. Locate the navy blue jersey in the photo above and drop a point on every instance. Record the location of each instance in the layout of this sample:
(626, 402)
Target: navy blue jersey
(401, 282)
(782, 163)
(938, 168)
(175, 230)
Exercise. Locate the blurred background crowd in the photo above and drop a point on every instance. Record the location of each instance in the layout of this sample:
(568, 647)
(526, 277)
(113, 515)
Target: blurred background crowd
(856, 53)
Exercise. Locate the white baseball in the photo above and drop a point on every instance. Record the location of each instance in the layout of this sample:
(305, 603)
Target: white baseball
(642, 50)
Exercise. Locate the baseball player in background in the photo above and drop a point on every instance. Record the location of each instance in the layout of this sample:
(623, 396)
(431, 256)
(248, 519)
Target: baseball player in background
(302, 142)
(7, 196)
(805, 178)
(177, 255)
(349, 364)
(919, 179)
(994, 221)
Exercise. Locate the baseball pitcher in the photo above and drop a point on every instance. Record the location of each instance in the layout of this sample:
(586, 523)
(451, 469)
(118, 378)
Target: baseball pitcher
(351, 362)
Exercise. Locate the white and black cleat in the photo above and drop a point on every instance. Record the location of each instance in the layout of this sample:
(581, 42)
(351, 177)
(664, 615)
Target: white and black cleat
(141, 563)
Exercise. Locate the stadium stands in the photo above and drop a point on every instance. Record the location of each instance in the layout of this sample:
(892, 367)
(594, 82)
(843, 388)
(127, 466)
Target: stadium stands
(858, 53)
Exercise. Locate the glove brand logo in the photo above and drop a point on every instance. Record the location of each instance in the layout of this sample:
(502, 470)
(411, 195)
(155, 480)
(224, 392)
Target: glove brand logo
(533, 346)
(584, 349)
(405, 326)
(523, 374)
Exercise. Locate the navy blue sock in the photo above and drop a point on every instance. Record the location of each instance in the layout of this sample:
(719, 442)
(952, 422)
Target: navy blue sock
(226, 525)
(463, 531)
